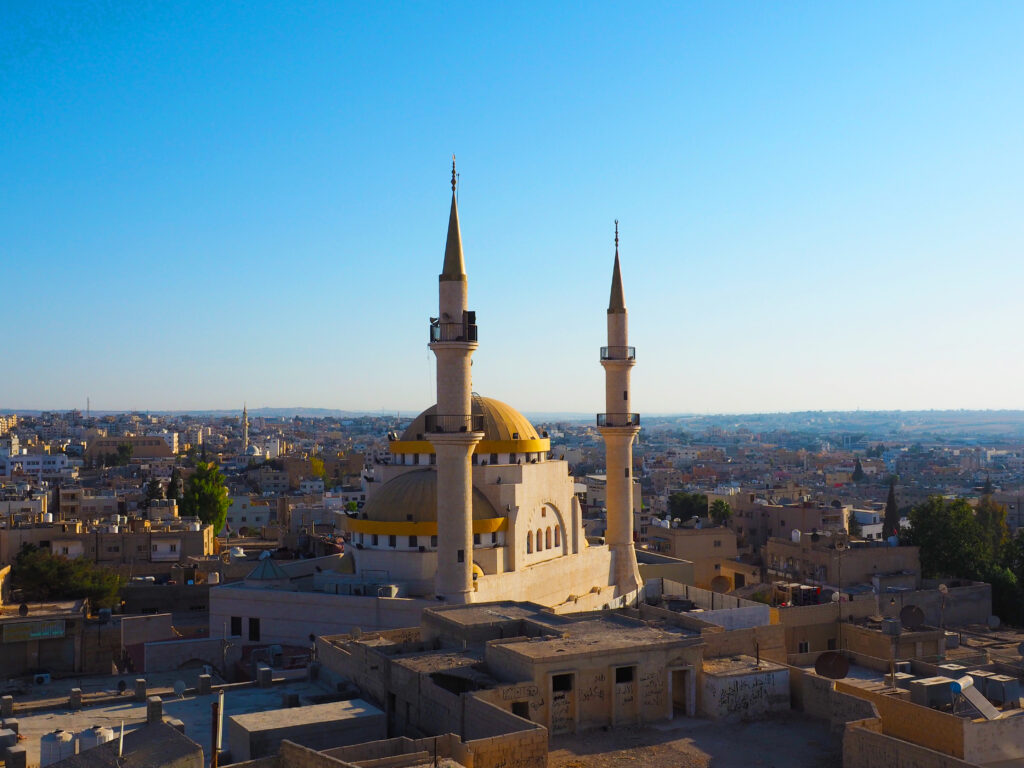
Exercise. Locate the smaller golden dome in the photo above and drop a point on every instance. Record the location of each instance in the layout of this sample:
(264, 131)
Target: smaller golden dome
(412, 497)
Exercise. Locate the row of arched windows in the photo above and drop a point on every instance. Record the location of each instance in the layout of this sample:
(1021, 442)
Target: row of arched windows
(544, 539)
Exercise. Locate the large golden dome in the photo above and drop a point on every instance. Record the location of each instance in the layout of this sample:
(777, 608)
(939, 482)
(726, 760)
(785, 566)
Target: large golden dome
(506, 430)
(412, 498)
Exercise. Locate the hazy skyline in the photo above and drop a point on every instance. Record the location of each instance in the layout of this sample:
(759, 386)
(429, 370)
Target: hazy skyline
(819, 205)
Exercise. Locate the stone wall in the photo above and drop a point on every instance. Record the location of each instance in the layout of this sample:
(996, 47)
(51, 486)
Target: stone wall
(865, 747)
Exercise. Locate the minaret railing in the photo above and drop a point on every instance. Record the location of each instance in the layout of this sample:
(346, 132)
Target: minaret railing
(453, 422)
(618, 353)
(618, 419)
(464, 331)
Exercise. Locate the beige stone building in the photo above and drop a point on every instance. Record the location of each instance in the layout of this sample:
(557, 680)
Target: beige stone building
(473, 508)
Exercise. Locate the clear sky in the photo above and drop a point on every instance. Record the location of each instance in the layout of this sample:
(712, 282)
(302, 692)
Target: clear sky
(821, 204)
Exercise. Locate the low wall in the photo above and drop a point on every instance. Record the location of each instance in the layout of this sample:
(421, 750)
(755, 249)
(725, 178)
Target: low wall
(499, 739)
(919, 725)
(172, 655)
(866, 747)
(724, 610)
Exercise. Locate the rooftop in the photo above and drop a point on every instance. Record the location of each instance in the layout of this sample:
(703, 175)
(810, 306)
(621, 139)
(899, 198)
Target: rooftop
(315, 713)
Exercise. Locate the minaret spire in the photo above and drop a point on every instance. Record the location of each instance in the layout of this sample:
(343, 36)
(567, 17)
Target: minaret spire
(454, 265)
(616, 302)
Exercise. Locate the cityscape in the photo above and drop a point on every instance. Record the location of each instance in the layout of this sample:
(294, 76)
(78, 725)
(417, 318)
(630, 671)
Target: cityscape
(561, 484)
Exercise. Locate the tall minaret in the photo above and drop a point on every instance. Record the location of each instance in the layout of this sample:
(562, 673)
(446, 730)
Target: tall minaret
(245, 428)
(619, 427)
(452, 430)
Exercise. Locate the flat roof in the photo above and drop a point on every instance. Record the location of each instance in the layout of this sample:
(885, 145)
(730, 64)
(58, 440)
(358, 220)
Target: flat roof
(727, 666)
(597, 636)
(315, 713)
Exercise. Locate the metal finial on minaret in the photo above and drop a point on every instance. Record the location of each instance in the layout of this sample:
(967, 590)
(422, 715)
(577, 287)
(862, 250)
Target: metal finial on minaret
(616, 237)
(453, 171)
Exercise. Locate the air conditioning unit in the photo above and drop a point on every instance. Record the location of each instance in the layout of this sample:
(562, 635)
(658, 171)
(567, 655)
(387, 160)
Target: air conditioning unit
(42, 678)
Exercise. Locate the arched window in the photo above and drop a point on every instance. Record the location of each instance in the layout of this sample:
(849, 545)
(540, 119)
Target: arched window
(547, 539)
(529, 542)
(540, 539)
(558, 536)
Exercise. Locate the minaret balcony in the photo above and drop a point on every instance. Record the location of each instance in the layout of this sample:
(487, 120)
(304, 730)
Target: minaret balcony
(450, 423)
(618, 419)
(464, 331)
(618, 353)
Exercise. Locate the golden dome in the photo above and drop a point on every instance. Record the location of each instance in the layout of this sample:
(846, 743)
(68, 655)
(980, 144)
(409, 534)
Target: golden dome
(412, 497)
(506, 430)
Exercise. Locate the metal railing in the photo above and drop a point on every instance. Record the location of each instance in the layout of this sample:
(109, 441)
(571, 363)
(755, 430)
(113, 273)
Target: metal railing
(618, 419)
(618, 353)
(441, 422)
(464, 331)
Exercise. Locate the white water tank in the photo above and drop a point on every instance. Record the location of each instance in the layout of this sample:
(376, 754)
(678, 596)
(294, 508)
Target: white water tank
(56, 746)
(795, 536)
(48, 517)
(213, 578)
(93, 737)
(195, 526)
(112, 529)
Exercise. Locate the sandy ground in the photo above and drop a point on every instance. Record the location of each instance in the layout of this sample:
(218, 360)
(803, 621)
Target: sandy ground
(194, 711)
(785, 741)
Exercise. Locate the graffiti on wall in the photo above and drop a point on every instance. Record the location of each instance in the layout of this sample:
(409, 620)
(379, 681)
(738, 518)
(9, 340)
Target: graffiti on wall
(741, 696)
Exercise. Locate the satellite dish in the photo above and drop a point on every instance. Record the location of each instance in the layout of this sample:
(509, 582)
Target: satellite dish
(720, 584)
(912, 617)
(836, 597)
(943, 589)
(815, 536)
(993, 622)
(833, 665)
(179, 688)
(23, 609)
(840, 544)
(122, 686)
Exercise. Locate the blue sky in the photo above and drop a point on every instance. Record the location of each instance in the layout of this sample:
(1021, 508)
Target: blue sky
(820, 204)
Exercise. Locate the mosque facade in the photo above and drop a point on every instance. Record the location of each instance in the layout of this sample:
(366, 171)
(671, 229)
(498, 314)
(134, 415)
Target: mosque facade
(472, 508)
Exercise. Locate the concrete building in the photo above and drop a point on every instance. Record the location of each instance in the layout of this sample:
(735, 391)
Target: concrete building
(708, 548)
(840, 562)
(143, 446)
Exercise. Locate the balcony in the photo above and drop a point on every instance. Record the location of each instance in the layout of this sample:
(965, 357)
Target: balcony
(618, 353)
(618, 419)
(447, 423)
(464, 331)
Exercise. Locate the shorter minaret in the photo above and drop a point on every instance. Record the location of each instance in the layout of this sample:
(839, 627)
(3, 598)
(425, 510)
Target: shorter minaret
(619, 427)
(245, 428)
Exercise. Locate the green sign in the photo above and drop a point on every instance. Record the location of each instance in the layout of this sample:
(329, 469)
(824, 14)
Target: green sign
(33, 630)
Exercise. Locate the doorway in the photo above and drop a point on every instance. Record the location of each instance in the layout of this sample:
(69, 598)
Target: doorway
(680, 691)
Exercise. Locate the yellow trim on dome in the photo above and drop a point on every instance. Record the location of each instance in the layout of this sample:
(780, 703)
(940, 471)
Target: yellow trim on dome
(540, 445)
(354, 525)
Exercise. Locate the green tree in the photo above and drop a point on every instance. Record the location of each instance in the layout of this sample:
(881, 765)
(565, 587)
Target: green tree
(720, 511)
(174, 487)
(891, 521)
(991, 517)
(124, 454)
(952, 541)
(206, 496)
(987, 488)
(154, 491)
(858, 471)
(44, 576)
(686, 505)
(351, 506)
(853, 525)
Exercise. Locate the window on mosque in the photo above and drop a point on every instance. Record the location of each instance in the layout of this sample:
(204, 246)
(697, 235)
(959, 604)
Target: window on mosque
(547, 539)
(413, 541)
(476, 539)
(529, 542)
(392, 541)
(558, 536)
(433, 541)
(540, 540)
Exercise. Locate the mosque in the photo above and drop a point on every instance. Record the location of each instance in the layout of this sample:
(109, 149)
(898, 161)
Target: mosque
(472, 508)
